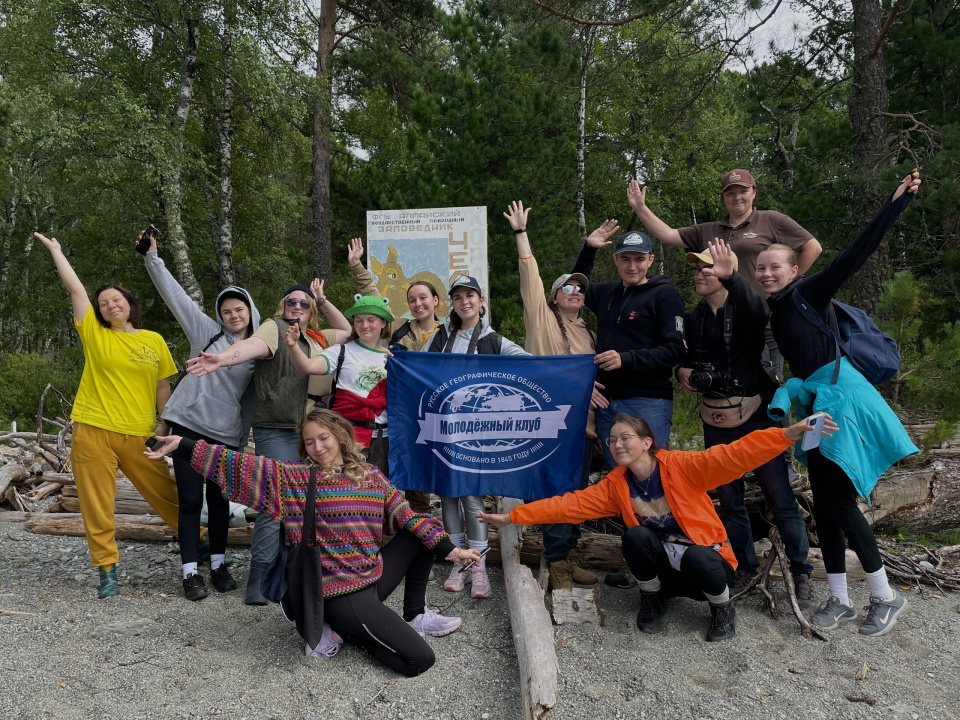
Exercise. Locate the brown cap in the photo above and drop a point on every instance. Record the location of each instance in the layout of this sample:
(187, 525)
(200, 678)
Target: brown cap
(737, 177)
(706, 257)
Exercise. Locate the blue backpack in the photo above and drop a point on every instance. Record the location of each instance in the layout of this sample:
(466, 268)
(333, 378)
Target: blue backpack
(867, 347)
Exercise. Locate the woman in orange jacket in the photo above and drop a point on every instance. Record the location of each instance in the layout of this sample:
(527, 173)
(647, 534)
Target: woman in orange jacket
(674, 543)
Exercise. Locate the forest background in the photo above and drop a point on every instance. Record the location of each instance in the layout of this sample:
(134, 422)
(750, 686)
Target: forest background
(256, 133)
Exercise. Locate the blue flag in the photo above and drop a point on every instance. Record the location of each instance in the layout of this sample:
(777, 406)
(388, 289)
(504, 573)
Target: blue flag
(488, 424)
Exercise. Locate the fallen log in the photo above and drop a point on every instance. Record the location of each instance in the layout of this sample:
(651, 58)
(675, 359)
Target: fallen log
(11, 473)
(924, 501)
(129, 527)
(532, 629)
(14, 516)
(129, 500)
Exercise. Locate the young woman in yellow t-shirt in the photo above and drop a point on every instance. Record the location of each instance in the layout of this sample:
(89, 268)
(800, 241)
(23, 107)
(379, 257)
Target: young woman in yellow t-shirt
(124, 386)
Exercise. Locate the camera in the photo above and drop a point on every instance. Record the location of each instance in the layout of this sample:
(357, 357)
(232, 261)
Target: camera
(711, 381)
(143, 244)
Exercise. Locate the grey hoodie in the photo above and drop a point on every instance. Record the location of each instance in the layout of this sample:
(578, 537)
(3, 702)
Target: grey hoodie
(218, 405)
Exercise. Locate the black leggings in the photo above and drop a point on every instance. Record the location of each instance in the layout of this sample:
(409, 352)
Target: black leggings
(703, 571)
(363, 620)
(190, 485)
(837, 514)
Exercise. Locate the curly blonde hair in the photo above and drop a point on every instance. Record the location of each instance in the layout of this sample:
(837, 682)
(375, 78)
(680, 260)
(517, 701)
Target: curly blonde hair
(313, 323)
(354, 466)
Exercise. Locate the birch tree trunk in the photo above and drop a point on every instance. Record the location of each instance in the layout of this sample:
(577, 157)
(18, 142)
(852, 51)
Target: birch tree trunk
(869, 101)
(172, 191)
(223, 241)
(589, 37)
(320, 198)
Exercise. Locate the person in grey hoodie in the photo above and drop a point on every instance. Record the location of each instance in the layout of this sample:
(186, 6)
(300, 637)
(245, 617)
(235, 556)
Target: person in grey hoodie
(216, 408)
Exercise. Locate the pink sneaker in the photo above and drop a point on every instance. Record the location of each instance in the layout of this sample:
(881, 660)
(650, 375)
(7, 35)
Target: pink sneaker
(329, 644)
(432, 623)
(456, 581)
(481, 583)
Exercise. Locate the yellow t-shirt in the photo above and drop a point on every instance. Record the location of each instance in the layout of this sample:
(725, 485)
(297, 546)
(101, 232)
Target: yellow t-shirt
(118, 388)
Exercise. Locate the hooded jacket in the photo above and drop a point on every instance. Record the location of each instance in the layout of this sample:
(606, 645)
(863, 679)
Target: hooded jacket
(218, 405)
(644, 323)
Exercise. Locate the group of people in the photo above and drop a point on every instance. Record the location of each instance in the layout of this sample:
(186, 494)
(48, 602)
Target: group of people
(316, 403)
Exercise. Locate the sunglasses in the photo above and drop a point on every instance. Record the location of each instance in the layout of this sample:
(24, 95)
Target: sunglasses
(294, 302)
(571, 289)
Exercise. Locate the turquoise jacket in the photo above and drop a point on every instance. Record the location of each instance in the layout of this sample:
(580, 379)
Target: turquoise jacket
(871, 437)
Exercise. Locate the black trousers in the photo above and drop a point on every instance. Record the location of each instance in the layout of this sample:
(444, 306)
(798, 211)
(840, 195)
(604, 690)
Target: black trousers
(837, 514)
(190, 485)
(363, 620)
(703, 571)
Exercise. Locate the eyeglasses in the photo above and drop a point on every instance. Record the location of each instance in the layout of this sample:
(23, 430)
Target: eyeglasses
(622, 440)
(698, 270)
(572, 289)
(294, 302)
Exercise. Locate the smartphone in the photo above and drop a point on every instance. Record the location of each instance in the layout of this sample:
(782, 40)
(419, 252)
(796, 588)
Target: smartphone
(143, 244)
(464, 568)
(152, 443)
(811, 439)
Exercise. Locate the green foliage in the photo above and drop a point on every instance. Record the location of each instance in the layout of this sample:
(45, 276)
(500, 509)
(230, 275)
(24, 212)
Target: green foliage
(23, 378)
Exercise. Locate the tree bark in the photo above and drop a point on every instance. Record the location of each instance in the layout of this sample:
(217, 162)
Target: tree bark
(869, 100)
(172, 190)
(223, 242)
(320, 197)
(589, 35)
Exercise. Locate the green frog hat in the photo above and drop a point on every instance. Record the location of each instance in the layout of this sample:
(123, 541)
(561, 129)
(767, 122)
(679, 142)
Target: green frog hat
(369, 305)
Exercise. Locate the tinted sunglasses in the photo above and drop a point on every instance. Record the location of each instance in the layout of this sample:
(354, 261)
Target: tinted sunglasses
(571, 289)
(294, 302)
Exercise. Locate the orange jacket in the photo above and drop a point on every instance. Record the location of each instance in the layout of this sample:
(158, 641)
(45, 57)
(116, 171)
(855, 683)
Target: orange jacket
(686, 477)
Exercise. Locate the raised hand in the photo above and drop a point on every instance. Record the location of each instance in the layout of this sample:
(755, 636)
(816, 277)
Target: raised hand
(517, 215)
(722, 267)
(636, 196)
(293, 335)
(204, 364)
(601, 236)
(355, 251)
(50, 244)
(911, 183)
(316, 287)
(153, 241)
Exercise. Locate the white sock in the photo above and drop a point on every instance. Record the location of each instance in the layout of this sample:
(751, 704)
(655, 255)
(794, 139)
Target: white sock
(189, 569)
(479, 546)
(216, 561)
(838, 587)
(879, 585)
(720, 599)
(649, 586)
(459, 539)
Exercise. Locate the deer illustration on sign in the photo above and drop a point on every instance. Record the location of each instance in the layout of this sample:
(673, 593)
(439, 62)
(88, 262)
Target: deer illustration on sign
(393, 283)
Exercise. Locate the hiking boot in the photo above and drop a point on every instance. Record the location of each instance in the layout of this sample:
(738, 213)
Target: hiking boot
(560, 576)
(722, 622)
(741, 581)
(480, 581)
(108, 581)
(432, 623)
(882, 615)
(456, 580)
(651, 612)
(254, 596)
(578, 574)
(832, 614)
(328, 646)
(621, 581)
(222, 579)
(194, 588)
(806, 597)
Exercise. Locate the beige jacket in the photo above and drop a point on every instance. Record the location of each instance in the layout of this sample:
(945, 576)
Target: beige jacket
(543, 332)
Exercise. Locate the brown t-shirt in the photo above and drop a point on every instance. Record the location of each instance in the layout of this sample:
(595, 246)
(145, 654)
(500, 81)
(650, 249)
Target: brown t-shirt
(759, 231)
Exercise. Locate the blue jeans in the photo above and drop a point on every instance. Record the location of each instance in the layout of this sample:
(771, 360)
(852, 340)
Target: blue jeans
(279, 444)
(774, 482)
(658, 414)
(560, 538)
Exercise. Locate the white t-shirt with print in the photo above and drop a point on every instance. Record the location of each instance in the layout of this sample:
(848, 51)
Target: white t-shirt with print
(362, 369)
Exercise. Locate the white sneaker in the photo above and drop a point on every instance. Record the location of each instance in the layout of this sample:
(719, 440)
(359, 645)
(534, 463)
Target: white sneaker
(480, 582)
(328, 647)
(456, 581)
(432, 623)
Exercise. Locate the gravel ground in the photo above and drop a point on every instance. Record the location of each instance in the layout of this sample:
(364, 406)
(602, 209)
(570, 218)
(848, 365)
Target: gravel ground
(151, 653)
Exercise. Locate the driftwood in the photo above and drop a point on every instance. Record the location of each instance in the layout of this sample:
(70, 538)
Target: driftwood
(532, 629)
(11, 473)
(129, 527)
(576, 606)
(129, 500)
(924, 501)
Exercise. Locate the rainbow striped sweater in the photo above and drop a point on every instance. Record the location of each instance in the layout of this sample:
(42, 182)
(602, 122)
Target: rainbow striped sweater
(351, 521)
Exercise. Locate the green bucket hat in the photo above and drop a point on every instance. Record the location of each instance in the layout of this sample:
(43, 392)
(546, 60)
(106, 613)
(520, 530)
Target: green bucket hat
(369, 305)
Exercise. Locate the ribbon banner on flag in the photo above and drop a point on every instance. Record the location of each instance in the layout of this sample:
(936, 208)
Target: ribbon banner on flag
(488, 424)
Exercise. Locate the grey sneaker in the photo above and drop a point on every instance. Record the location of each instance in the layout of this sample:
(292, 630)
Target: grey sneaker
(833, 613)
(806, 597)
(882, 615)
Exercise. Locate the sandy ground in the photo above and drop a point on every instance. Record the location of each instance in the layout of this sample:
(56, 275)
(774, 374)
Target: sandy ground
(151, 653)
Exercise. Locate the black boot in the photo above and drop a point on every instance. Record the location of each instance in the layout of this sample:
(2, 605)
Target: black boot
(254, 596)
(722, 623)
(651, 612)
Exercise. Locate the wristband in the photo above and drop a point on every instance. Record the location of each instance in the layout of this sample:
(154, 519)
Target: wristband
(521, 230)
(323, 301)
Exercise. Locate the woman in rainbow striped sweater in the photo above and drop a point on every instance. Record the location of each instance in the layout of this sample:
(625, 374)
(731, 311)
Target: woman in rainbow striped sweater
(357, 508)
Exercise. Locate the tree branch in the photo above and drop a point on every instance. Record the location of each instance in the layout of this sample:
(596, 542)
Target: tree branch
(886, 28)
(592, 23)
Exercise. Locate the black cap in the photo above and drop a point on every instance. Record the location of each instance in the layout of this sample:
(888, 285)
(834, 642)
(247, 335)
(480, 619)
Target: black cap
(465, 281)
(634, 241)
(301, 288)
